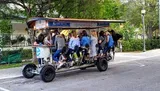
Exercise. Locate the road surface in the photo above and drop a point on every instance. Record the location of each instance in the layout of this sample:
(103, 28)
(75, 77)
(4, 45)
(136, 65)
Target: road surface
(136, 75)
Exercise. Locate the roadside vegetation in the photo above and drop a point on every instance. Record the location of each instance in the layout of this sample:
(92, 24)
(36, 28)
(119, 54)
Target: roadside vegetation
(6, 66)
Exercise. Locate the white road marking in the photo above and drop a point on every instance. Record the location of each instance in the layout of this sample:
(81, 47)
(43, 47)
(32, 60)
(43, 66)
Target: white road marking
(141, 65)
(3, 89)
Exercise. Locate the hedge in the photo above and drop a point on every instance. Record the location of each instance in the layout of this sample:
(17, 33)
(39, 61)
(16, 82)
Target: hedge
(129, 45)
(26, 53)
(137, 44)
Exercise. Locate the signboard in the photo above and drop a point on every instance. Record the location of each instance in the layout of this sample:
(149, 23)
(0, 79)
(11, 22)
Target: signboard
(42, 52)
(83, 24)
(102, 24)
(58, 24)
(40, 24)
(76, 24)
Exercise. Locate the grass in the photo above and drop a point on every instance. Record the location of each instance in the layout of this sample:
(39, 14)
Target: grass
(6, 66)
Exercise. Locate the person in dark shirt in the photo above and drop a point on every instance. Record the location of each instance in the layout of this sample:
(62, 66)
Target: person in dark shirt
(101, 41)
(115, 36)
(54, 34)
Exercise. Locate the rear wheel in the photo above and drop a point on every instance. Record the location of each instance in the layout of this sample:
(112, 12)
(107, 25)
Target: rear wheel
(47, 73)
(102, 64)
(28, 70)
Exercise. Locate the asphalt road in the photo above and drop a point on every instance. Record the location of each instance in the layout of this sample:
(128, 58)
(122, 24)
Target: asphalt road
(138, 75)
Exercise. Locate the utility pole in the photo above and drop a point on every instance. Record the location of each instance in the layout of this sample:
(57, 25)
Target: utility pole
(159, 19)
(0, 38)
(143, 11)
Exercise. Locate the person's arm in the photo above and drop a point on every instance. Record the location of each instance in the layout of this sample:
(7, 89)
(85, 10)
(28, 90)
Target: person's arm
(89, 40)
(100, 40)
(70, 43)
(35, 43)
(107, 38)
(79, 42)
(82, 40)
(55, 42)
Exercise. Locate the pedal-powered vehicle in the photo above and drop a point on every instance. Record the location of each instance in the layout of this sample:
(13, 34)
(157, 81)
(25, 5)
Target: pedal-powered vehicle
(47, 68)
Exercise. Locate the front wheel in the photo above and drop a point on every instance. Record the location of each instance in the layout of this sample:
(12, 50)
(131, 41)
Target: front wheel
(28, 70)
(102, 64)
(47, 73)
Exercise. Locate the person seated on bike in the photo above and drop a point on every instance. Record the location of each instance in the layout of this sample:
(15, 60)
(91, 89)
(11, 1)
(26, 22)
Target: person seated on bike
(101, 42)
(85, 39)
(53, 38)
(60, 43)
(47, 40)
(85, 44)
(94, 39)
(109, 42)
(74, 42)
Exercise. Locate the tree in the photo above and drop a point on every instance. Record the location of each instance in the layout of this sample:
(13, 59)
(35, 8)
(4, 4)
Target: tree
(132, 13)
(108, 9)
(5, 26)
(30, 8)
(94, 9)
(5, 30)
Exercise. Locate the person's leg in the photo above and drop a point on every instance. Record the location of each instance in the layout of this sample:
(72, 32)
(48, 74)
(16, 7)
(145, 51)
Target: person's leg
(105, 50)
(39, 60)
(98, 51)
(78, 52)
(56, 55)
(68, 54)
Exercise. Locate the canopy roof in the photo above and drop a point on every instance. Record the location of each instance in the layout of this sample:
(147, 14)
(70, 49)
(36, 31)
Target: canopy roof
(68, 23)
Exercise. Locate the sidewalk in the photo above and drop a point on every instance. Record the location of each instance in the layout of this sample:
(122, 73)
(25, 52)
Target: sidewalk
(131, 56)
(119, 58)
(10, 73)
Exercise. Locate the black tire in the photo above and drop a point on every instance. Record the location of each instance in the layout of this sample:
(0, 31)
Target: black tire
(27, 70)
(102, 64)
(47, 73)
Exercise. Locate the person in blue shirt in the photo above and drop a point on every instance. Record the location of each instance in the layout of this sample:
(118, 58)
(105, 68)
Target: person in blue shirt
(73, 45)
(109, 42)
(85, 43)
(85, 40)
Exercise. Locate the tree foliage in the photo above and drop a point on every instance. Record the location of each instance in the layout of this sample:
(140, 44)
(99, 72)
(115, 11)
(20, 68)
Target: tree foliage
(132, 13)
(108, 9)
(5, 26)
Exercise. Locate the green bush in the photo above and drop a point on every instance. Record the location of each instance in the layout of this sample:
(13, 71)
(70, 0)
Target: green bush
(137, 44)
(26, 53)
